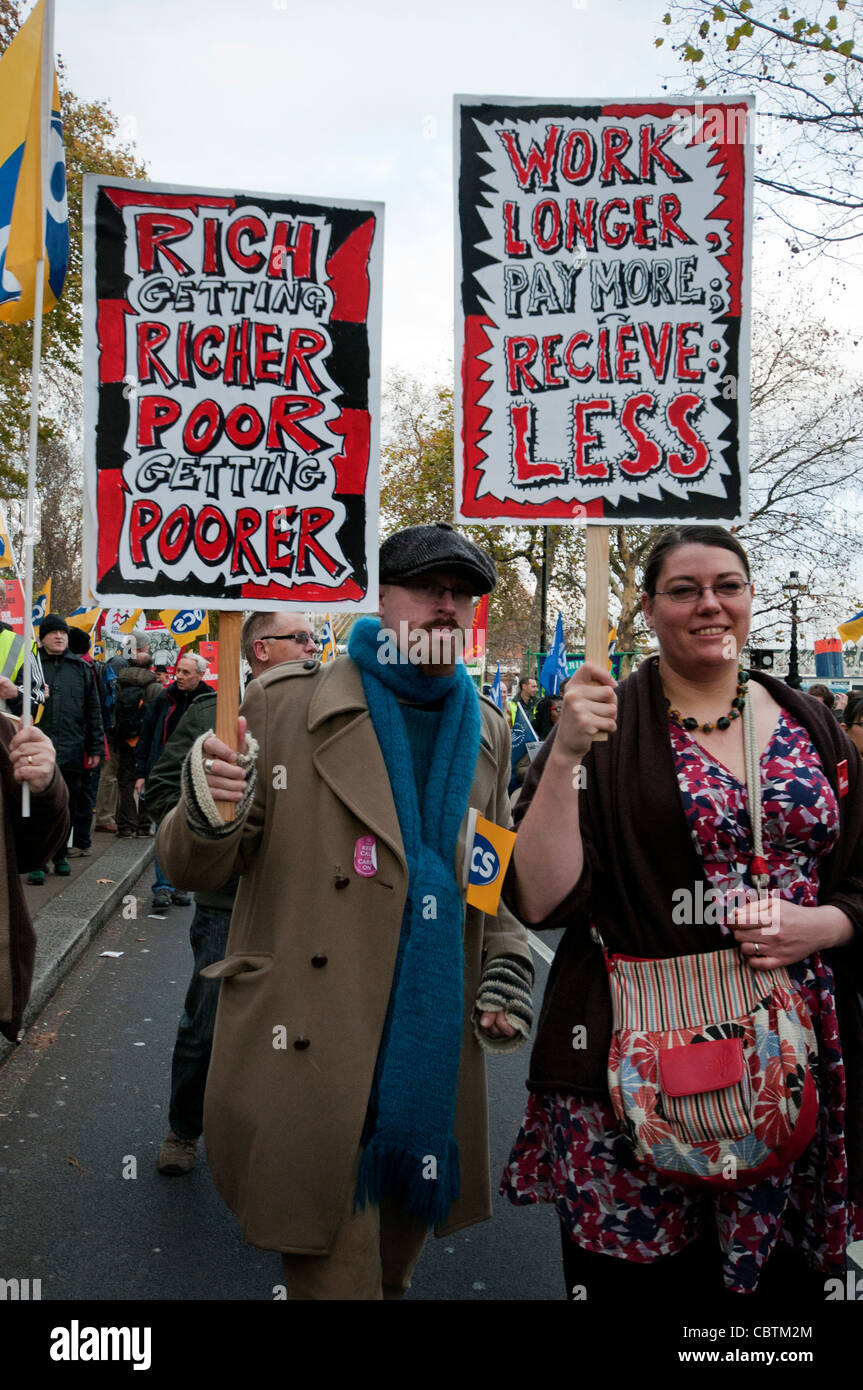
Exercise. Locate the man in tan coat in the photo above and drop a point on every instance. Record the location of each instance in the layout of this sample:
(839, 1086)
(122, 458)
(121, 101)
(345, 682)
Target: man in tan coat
(346, 1104)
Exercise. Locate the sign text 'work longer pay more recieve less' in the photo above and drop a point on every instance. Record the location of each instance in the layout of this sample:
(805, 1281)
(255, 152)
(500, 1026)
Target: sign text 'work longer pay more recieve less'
(602, 305)
(232, 381)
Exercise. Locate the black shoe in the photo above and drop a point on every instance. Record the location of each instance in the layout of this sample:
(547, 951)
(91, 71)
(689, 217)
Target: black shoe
(181, 899)
(161, 900)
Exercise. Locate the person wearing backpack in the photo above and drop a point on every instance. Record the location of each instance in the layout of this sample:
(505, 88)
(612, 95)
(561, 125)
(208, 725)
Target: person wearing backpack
(137, 687)
(106, 679)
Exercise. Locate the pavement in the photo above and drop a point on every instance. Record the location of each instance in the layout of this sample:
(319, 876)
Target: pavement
(68, 912)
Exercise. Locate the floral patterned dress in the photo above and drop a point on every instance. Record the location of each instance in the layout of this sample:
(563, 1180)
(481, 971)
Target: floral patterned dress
(570, 1149)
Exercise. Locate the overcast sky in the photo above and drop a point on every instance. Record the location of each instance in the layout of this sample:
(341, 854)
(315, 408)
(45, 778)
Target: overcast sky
(338, 99)
(344, 100)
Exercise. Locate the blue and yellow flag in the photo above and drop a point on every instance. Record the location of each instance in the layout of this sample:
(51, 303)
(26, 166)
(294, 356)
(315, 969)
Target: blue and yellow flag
(84, 618)
(186, 624)
(488, 849)
(852, 629)
(25, 236)
(42, 604)
(329, 649)
(7, 559)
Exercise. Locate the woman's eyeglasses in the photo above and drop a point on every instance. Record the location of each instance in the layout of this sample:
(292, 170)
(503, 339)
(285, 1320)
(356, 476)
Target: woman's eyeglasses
(688, 593)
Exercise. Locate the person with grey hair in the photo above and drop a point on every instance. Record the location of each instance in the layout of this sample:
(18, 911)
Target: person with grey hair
(270, 639)
(160, 721)
(267, 640)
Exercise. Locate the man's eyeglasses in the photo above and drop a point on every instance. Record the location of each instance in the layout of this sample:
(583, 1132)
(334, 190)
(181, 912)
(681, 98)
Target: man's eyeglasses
(688, 593)
(303, 639)
(425, 588)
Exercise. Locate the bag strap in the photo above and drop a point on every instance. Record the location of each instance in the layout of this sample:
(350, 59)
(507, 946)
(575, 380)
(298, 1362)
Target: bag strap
(759, 869)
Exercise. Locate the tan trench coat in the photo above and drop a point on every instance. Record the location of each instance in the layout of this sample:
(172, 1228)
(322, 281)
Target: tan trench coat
(314, 955)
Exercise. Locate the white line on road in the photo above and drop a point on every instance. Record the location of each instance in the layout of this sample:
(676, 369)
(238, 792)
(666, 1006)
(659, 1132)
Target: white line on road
(540, 948)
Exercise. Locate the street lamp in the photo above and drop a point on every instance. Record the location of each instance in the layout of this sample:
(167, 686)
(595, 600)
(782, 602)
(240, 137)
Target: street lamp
(793, 588)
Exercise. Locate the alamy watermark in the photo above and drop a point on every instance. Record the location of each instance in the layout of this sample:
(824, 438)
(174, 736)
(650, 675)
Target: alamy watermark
(418, 647)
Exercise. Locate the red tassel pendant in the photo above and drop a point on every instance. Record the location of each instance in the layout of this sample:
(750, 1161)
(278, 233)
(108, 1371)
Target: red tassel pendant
(758, 867)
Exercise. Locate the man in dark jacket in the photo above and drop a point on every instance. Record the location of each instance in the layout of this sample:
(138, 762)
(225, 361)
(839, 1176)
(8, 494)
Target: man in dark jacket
(267, 640)
(138, 687)
(160, 720)
(72, 721)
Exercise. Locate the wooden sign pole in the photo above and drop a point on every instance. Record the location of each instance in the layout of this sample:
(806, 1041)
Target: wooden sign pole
(228, 697)
(596, 644)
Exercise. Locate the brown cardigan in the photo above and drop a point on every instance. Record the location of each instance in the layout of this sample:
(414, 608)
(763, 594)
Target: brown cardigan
(28, 843)
(638, 851)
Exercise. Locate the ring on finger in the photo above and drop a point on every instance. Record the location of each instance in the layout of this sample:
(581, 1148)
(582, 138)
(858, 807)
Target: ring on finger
(30, 759)
(757, 949)
(208, 765)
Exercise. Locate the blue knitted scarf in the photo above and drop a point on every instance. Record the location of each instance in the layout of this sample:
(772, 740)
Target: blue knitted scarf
(410, 1149)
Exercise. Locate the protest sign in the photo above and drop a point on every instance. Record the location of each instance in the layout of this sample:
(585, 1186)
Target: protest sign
(231, 362)
(12, 612)
(602, 305)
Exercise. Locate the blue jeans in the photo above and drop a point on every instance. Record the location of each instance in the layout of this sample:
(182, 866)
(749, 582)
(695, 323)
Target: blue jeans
(208, 936)
(160, 883)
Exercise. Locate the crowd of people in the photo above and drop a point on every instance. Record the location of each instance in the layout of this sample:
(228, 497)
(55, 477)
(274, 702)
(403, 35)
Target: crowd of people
(333, 1043)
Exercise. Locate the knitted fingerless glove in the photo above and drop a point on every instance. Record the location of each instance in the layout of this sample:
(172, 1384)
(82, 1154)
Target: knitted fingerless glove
(507, 983)
(202, 810)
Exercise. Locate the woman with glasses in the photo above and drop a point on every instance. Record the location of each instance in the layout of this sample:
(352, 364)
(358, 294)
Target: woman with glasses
(609, 834)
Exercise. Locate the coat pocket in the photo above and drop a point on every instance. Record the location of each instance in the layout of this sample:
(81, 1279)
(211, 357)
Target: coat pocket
(242, 964)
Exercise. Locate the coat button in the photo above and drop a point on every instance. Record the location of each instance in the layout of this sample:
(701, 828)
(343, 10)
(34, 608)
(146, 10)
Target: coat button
(309, 665)
(341, 881)
(319, 961)
(301, 1044)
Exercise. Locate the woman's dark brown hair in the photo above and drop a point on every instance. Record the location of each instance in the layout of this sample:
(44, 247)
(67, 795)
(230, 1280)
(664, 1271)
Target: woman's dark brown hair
(853, 710)
(677, 536)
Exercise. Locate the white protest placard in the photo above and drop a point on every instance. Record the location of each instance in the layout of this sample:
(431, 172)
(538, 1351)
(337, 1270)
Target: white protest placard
(232, 381)
(602, 309)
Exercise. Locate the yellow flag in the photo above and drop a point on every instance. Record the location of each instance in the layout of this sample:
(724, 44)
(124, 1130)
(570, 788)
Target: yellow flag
(852, 629)
(329, 650)
(488, 850)
(42, 604)
(26, 234)
(186, 624)
(84, 618)
(7, 559)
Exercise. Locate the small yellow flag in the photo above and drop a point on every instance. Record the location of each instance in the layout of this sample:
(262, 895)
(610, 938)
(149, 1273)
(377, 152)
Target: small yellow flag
(6, 557)
(488, 851)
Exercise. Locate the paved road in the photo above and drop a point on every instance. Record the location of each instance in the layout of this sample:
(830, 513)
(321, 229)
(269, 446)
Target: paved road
(83, 1110)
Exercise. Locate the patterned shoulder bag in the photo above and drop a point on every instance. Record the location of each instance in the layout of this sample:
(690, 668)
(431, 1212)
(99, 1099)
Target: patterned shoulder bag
(709, 1069)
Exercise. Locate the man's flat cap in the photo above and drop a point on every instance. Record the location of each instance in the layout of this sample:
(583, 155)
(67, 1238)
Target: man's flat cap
(420, 549)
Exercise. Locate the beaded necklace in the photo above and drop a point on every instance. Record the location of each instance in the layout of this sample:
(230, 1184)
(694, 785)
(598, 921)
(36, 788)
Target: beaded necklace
(689, 723)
